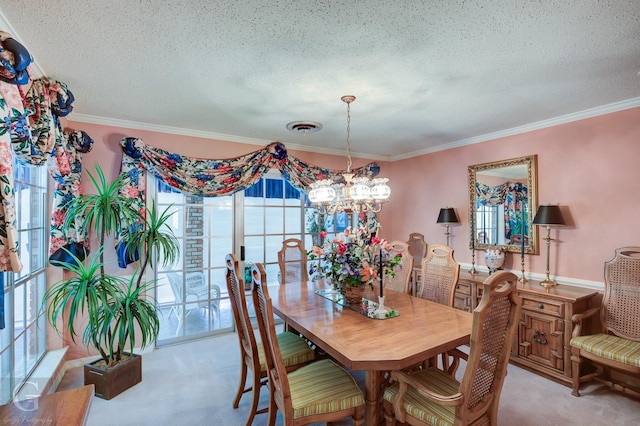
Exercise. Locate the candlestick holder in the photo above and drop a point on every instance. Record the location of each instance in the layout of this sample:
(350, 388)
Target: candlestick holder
(522, 279)
(381, 311)
(473, 262)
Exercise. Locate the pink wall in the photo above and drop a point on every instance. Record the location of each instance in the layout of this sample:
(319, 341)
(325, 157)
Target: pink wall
(589, 167)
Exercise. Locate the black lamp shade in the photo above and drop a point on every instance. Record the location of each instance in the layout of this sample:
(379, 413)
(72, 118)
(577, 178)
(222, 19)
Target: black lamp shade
(548, 215)
(447, 215)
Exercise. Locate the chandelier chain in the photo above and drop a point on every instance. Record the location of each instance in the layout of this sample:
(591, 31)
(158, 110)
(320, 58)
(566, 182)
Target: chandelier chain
(351, 194)
(349, 137)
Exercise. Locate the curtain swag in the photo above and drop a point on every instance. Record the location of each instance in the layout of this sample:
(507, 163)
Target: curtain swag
(213, 178)
(497, 195)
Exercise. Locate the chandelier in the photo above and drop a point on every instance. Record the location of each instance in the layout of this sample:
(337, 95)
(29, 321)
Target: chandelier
(356, 194)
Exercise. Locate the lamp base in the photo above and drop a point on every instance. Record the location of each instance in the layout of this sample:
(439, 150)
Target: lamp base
(548, 283)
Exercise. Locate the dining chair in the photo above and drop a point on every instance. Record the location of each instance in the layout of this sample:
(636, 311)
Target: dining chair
(295, 351)
(434, 397)
(439, 275)
(402, 274)
(439, 278)
(418, 250)
(292, 260)
(319, 392)
(616, 345)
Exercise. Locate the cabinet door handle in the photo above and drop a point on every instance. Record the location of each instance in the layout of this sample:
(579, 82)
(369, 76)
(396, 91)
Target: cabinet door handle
(541, 305)
(540, 337)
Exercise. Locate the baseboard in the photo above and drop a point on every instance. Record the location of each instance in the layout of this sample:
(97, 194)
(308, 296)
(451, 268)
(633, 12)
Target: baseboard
(575, 282)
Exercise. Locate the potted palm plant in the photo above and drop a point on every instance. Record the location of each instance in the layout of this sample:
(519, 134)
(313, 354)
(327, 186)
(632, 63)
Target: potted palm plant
(118, 313)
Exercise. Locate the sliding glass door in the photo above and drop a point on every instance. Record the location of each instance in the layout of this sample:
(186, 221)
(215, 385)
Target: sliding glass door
(192, 294)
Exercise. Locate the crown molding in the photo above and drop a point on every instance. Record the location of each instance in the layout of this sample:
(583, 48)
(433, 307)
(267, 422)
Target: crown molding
(92, 119)
(556, 121)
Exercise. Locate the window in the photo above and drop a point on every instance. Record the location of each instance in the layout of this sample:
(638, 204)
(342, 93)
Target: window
(23, 340)
(189, 293)
(209, 228)
(488, 220)
(273, 211)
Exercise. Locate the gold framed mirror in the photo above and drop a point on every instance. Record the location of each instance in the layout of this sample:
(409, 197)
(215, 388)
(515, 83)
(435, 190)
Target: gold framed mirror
(502, 203)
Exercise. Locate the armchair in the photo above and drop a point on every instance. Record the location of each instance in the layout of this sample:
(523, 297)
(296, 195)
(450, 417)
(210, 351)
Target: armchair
(618, 345)
(431, 396)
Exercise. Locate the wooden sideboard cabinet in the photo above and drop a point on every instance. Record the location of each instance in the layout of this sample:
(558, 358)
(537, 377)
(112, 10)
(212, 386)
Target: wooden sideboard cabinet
(542, 340)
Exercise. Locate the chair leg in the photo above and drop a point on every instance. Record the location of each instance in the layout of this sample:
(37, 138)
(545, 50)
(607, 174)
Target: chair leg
(273, 409)
(243, 379)
(255, 399)
(575, 373)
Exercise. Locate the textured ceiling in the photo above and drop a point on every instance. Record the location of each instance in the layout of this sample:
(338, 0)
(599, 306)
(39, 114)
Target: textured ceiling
(426, 74)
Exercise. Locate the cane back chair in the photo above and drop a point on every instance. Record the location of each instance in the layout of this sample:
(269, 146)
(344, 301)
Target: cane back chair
(434, 397)
(402, 274)
(439, 276)
(617, 346)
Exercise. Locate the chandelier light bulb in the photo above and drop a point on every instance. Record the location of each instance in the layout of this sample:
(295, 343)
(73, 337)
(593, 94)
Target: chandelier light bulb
(380, 190)
(356, 194)
(360, 190)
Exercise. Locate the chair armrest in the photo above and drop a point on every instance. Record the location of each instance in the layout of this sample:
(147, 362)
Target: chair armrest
(404, 380)
(457, 355)
(577, 320)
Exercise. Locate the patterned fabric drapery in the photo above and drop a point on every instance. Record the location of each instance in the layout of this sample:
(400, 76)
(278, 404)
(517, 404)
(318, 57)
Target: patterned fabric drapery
(513, 195)
(13, 127)
(497, 195)
(208, 177)
(31, 130)
(65, 167)
(212, 178)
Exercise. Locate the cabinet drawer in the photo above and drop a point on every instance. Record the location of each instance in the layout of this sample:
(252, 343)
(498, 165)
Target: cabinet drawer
(463, 288)
(551, 307)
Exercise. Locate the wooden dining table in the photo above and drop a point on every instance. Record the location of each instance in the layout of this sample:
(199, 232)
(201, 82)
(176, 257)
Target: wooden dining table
(422, 330)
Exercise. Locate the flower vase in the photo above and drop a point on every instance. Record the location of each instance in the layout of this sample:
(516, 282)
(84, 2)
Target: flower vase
(494, 257)
(353, 294)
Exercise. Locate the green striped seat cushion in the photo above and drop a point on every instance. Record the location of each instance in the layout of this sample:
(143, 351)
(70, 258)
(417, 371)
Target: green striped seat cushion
(418, 407)
(611, 347)
(293, 348)
(322, 387)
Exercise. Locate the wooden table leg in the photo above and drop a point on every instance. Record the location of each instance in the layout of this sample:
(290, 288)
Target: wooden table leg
(372, 397)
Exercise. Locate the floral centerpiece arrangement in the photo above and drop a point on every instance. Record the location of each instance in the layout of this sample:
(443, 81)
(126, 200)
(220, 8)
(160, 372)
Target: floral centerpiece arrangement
(355, 259)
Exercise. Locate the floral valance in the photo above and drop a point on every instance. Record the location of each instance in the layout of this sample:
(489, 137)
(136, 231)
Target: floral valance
(212, 178)
(497, 195)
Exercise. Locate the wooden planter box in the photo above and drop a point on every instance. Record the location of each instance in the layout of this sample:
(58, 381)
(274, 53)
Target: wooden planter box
(112, 382)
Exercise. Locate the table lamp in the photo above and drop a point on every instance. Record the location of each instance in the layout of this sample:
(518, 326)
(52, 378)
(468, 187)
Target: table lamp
(549, 216)
(446, 217)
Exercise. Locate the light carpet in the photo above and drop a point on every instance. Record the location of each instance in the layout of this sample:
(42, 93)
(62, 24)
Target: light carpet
(194, 384)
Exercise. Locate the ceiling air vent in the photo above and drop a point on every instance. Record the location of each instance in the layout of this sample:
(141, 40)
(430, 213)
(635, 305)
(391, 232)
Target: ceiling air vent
(304, 127)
